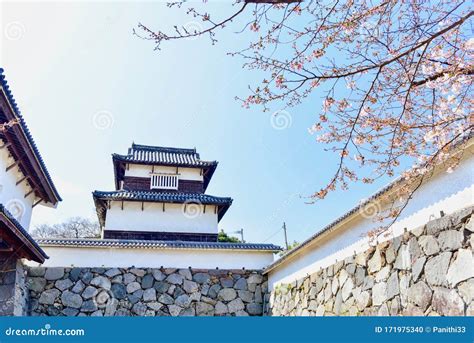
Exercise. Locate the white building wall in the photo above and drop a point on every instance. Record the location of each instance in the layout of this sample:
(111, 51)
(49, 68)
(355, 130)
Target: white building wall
(153, 218)
(154, 258)
(140, 170)
(443, 192)
(12, 196)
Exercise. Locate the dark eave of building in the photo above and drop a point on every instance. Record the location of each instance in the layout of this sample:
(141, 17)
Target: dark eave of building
(23, 148)
(20, 241)
(145, 244)
(101, 200)
(162, 156)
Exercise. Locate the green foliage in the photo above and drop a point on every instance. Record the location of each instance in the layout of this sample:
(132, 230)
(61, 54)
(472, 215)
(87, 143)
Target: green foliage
(223, 237)
(290, 246)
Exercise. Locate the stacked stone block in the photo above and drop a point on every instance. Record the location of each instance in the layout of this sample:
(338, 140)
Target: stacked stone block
(428, 271)
(144, 292)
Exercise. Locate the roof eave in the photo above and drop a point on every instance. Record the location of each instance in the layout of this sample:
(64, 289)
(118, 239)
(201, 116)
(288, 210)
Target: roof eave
(222, 210)
(100, 208)
(26, 140)
(127, 159)
(208, 173)
(145, 244)
(224, 201)
(100, 202)
(37, 254)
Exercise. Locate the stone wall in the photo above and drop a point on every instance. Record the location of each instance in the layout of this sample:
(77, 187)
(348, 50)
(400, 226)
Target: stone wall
(7, 286)
(427, 271)
(144, 292)
(13, 291)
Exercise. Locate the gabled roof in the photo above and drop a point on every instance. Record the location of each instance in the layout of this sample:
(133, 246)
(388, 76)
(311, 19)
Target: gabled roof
(23, 245)
(123, 243)
(23, 147)
(100, 199)
(164, 156)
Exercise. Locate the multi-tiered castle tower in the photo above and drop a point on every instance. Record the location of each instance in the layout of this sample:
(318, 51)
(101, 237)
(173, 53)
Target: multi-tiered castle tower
(160, 195)
(159, 215)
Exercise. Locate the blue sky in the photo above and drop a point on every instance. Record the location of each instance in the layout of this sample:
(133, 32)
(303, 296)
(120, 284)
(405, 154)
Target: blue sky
(70, 63)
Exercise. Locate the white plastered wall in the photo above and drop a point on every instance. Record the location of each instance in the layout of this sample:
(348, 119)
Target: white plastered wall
(443, 192)
(140, 170)
(154, 258)
(12, 196)
(175, 217)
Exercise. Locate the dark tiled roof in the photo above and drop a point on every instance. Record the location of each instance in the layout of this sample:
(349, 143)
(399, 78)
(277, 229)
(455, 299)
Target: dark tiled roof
(119, 243)
(163, 156)
(175, 197)
(27, 133)
(162, 197)
(22, 231)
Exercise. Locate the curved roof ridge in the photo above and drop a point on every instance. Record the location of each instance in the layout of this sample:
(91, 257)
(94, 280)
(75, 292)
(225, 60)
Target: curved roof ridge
(164, 149)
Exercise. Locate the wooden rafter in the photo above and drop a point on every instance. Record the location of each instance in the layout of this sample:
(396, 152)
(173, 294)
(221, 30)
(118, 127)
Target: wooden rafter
(19, 158)
(5, 145)
(18, 142)
(29, 193)
(21, 180)
(37, 203)
(13, 165)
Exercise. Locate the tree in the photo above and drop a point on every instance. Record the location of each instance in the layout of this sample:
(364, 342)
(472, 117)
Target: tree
(224, 237)
(290, 247)
(6, 125)
(395, 78)
(76, 227)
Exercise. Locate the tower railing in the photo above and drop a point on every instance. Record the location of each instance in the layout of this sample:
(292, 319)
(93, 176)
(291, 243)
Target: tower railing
(164, 181)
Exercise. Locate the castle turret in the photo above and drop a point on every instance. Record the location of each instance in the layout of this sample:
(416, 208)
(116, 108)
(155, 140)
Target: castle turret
(160, 195)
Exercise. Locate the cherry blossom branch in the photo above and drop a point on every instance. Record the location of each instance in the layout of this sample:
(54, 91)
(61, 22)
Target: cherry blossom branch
(7, 125)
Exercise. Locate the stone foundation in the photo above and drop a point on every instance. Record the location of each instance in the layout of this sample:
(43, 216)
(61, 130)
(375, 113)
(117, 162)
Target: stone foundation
(13, 292)
(427, 271)
(144, 292)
